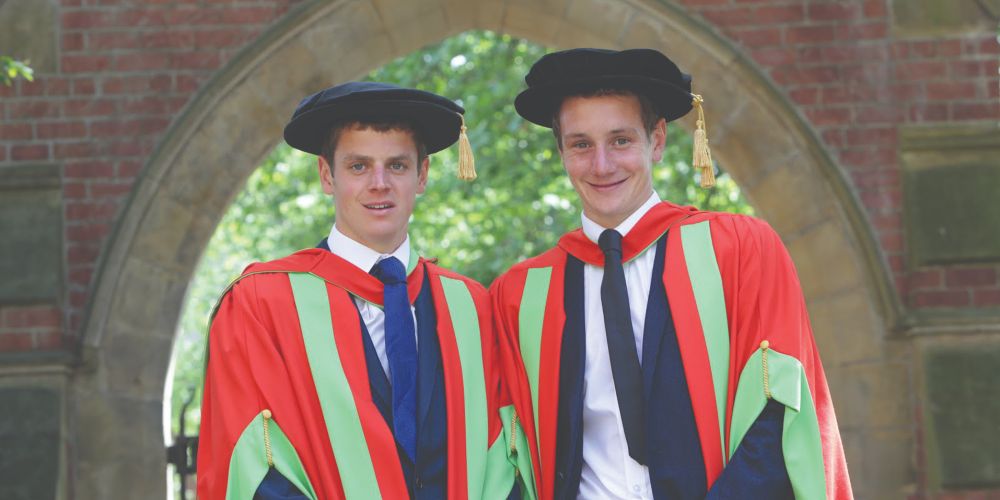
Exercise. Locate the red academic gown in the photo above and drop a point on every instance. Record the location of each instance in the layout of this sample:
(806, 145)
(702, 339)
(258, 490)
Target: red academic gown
(287, 388)
(730, 286)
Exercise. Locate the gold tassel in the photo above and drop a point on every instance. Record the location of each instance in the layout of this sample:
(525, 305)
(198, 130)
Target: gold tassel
(763, 355)
(513, 433)
(513, 440)
(267, 438)
(702, 154)
(466, 161)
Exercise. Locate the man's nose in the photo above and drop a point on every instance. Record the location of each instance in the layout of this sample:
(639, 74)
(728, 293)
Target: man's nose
(602, 163)
(379, 179)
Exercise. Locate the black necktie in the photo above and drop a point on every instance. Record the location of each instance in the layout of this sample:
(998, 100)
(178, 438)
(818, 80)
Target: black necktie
(621, 345)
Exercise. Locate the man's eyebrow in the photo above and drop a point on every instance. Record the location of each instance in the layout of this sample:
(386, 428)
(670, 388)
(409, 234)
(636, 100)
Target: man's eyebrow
(623, 130)
(620, 130)
(357, 157)
(365, 158)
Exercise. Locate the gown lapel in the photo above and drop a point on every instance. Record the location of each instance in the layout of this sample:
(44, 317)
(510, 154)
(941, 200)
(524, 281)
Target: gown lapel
(428, 352)
(569, 432)
(657, 316)
(381, 390)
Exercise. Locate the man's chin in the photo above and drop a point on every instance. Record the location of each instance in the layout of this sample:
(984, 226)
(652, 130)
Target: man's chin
(379, 240)
(606, 215)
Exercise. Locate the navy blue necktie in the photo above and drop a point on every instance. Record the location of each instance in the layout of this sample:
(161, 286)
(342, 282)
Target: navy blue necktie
(401, 349)
(621, 345)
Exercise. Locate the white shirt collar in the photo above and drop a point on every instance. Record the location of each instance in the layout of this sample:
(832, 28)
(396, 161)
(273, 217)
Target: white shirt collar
(362, 256)
(593, 230)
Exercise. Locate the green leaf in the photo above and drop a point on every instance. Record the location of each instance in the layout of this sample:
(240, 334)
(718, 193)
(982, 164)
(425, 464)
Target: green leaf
(11, 69)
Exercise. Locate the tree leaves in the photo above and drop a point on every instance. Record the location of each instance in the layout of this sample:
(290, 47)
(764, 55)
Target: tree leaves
(12, 69)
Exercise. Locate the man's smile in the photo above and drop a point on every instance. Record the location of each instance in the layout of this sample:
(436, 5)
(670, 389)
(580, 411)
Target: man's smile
(382, 205)
(606, 186)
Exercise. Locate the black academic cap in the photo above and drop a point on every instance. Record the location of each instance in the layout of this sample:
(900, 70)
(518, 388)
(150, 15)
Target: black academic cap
(644, 71)
(438, 119)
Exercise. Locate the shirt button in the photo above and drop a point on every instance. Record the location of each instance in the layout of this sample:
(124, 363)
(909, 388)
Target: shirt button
(636, 488)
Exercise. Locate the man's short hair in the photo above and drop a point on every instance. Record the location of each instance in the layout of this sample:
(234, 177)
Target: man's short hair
(648, 112)
(338, 128)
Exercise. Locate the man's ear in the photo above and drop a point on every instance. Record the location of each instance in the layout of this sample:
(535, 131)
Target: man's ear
(325, 174)
(658, 138)
(422, 175)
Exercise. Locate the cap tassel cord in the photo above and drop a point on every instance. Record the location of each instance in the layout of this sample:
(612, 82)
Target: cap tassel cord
(513, 440)
(267, 438)
(763, 355)
(513, 433)
(702, 154)
(466, 161)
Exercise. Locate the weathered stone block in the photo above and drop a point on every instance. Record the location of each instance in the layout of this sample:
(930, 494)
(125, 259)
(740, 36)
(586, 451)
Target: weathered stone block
(29, 32)
(195, 240)
(749, 138)
(963, 414)
(399, 12)
(240, 117)
(140, 476)
(419, 31)
(951, 182)
(790, 185)
(601, 18)
(146, 309)
(274, 79)
(547, 7)
(941, 17)
(135, 363)
(356, 64)
(30, 433)
(464, 15)
(120, 454)
(572, 36)
(349, 22)
(854, 448)
(951, 214)
(842, 328)
(31, 222)
(817, 253)
(872, 398)
(887, 466)
(539, 25)
(642, 31)
(166, 226)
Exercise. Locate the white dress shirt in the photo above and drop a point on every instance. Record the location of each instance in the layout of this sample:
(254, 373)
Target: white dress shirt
(365, 258)
(608, 470)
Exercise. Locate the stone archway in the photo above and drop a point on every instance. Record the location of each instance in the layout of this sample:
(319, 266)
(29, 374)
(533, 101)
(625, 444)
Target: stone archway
(225, 132)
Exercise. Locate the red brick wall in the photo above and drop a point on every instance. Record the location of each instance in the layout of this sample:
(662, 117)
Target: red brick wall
(30, 328)
(126, 68)
(856, 84)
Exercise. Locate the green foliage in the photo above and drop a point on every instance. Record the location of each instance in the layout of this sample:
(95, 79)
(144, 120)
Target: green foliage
(518, 207)
(12, 69)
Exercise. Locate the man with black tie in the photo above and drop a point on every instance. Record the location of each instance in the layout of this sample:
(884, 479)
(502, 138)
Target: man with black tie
(659, 351)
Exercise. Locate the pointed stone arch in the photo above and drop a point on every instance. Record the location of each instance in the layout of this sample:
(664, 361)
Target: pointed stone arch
(225, 132)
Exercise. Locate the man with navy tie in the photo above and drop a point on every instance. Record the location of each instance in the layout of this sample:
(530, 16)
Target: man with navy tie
(358, 369)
